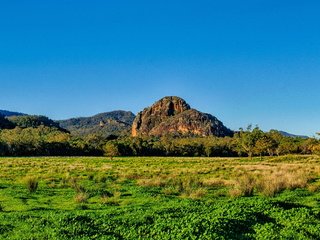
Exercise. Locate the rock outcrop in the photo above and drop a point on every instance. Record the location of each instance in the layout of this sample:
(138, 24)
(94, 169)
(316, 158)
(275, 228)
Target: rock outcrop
(173, 116)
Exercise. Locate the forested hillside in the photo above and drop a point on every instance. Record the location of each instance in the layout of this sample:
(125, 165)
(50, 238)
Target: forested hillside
(104, 124)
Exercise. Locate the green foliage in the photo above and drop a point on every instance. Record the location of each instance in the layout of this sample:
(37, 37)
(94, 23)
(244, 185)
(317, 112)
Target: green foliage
(34, 121)
(5, 123)
(34, 138)
(247, 140)
(111, 150)
(42, 141)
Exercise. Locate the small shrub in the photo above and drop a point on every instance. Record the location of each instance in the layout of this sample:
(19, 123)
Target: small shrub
(31, 183)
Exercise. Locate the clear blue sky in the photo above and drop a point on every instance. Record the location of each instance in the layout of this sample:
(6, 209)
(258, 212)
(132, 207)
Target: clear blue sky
(243, 61)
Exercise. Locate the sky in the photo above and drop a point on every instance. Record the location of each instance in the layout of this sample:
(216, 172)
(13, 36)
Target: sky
(245, 62)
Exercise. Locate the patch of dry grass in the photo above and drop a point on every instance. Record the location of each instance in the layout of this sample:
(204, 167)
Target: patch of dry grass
(271, 184)
(31, 183)
(214, 182)
(152, 182)
(81, 197)
(244, 186)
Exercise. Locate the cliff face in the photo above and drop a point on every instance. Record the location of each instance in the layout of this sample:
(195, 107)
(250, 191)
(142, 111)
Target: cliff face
(173, 116)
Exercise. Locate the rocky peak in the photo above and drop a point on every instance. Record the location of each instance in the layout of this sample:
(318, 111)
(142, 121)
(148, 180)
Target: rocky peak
(173, 115)
(169, 106)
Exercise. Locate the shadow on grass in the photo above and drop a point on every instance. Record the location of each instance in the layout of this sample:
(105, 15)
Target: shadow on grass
(288, 205)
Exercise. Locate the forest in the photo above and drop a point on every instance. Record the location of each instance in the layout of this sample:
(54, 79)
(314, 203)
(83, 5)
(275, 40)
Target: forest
(41, 136)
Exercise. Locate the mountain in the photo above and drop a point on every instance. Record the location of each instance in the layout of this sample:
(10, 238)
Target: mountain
(28, 121)
(105, 124)
(9, 113)
(34, 121)
(286, 134)
(173, 116)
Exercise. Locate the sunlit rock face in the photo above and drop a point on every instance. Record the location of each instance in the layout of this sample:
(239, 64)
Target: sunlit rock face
(173, 116)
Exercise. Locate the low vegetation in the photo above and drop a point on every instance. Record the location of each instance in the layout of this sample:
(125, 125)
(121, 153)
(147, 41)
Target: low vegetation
(160, 198)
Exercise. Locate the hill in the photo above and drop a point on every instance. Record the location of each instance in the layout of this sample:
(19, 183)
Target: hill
(286, 134)
(9, 113)
(105, 124)
(174, 116)
(34, 121)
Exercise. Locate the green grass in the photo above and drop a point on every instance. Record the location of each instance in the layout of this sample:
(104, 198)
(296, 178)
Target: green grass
(160, 198)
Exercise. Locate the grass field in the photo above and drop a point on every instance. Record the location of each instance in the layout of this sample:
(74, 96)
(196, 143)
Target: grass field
(160, 198)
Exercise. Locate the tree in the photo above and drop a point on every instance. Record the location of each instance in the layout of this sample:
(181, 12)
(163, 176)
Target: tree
(111, 150)
(5, 123)
(266, 145)
(247, 139)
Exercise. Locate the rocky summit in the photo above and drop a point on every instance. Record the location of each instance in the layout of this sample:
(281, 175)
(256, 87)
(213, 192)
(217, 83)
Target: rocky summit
(173, 116)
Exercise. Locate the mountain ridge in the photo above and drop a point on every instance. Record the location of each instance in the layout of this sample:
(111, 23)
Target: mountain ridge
(7, 113)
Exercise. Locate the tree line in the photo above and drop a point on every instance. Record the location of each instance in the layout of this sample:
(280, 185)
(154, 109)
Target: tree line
(40, 136)
(249, 142)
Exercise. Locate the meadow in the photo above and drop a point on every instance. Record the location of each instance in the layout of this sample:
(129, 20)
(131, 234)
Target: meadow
(160, 198)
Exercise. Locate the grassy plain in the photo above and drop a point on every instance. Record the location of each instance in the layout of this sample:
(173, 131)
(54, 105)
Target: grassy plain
(160, 198)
